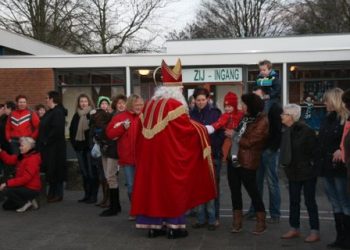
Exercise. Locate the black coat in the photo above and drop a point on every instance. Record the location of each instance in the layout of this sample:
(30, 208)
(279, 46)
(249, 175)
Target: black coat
(303, 142)
(4, 144)
(275, 127)
(52, 144)
(98, 123)
(79, 145)
(329, 138)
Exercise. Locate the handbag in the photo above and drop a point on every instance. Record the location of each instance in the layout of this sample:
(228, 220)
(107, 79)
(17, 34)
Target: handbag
(96, 151)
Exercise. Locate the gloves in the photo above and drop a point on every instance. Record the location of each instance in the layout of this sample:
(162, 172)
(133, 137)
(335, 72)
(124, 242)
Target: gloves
(210, 129)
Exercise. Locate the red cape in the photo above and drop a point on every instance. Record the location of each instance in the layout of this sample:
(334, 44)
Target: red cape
(174, 169)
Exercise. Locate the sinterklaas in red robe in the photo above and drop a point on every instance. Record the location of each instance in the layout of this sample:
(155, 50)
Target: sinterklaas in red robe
(174, 169)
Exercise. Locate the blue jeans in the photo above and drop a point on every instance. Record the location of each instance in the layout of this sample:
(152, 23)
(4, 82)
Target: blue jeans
(84, 161)
(129, 171)
(217, 164)
(335, 188)
(269, 168)
(204, 210)
(309, 188)
(89, 173)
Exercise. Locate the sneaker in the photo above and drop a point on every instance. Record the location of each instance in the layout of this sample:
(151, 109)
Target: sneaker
(25, 207)
(291, 234)
(313, 237)
(131, 218)
(273, 220)
(35, 204)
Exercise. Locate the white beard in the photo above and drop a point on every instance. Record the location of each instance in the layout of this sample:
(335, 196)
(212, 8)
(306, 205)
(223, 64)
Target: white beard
(170, 92)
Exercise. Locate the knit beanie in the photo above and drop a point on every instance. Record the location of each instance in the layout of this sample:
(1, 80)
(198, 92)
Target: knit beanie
(103, 98)
(231, 99)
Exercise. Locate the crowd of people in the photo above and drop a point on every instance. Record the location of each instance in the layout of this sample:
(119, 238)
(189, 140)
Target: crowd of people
(171, 153)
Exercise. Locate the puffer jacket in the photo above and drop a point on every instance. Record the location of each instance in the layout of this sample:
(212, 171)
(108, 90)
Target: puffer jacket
(27, 170)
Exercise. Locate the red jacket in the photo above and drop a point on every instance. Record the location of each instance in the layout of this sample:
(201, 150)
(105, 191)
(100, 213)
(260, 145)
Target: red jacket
(27, 170)
(228, 120)
(22, 123)
(126, 137)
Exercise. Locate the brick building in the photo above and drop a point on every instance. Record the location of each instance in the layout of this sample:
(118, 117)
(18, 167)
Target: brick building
(307, 65)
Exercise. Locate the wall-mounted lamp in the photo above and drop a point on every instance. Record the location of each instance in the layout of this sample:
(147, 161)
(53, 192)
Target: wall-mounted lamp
(292, 68)
(144, 72)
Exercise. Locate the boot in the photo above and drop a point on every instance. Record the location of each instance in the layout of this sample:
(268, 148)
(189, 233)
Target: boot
(86, 191)
(339, 228)
(345, 244)
(94, 185)
(119, 208)
(114, 200)
(260, 223)
(237, 221)
(105, 192)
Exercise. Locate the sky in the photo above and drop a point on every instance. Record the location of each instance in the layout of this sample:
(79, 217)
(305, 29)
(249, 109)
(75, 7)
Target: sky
(181, 11)
(175, 16)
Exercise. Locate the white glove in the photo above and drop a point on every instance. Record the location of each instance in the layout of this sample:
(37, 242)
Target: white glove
(210, 129)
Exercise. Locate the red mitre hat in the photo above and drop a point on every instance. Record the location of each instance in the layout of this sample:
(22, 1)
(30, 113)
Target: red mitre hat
(172, 77)
(231, 99)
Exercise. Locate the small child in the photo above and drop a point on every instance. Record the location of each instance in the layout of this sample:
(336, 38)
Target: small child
(229, 120)
(268, 82)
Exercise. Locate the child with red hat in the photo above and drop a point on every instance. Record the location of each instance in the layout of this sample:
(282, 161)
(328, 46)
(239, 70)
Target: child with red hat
(229, 120)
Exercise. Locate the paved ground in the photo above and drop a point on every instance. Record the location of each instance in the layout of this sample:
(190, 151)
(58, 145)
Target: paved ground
(70, 225)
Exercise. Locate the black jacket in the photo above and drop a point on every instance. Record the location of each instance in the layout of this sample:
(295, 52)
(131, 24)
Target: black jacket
(79, 145)
(329, 138)
(275, 127)
(303, 142)
(98, 123)
(4, 144)
(52, 144)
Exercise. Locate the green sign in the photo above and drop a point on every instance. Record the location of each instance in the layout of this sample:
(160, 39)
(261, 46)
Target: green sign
(207, 75)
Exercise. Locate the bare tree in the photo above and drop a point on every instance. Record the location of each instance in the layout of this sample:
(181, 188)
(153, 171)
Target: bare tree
(117, 26)
(235, 18)
(50, 21)
(319, 16)
(85, 26)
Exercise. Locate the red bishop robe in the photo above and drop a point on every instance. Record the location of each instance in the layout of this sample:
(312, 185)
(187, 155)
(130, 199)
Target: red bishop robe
(174, 169)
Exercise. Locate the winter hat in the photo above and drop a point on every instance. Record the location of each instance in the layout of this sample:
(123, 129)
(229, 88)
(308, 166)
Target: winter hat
(231, 99)
(103, 98)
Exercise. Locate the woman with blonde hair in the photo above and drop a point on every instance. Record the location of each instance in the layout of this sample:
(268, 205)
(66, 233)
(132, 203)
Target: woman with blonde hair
(329, 160)
(124, 128)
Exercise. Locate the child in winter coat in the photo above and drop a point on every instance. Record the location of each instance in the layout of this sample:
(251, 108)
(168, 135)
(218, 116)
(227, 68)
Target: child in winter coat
(229, 120)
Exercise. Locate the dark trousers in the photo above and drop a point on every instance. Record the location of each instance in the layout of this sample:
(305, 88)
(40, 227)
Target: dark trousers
(309, 188)
(17, 197)
(55, 189)
(237, 177)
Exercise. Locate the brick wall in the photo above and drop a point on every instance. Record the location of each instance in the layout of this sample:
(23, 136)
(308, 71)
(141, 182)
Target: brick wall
(34, 83)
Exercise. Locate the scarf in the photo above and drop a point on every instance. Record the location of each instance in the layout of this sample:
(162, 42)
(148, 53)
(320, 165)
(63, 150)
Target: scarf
(286, 147)
(242, 127)
(83, 124)
(239, 131)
